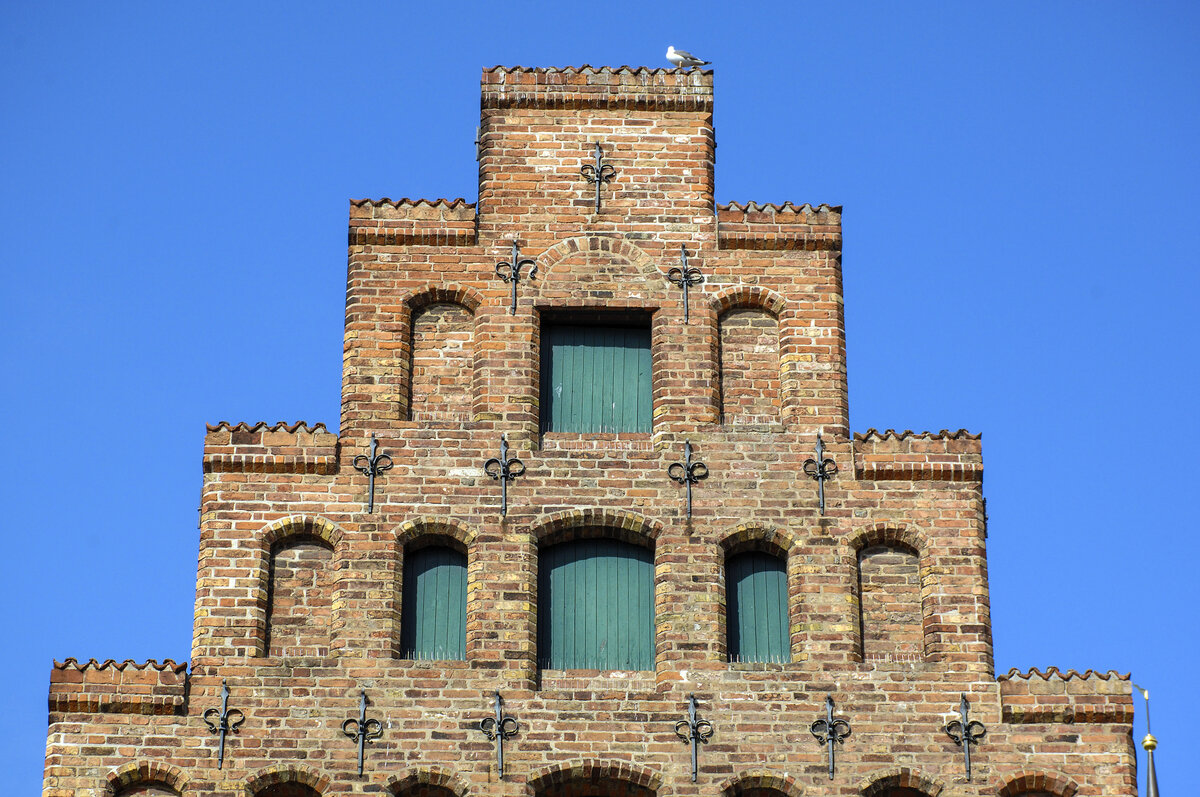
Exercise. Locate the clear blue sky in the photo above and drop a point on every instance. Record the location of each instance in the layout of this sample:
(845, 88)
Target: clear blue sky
(1020, 183)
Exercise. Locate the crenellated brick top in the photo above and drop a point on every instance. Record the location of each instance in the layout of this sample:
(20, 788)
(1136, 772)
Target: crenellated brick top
(400, 222)
(281, 448)
(598, 87)
(126, 687)
(945, 456)
(786, 226)
(1054, 696)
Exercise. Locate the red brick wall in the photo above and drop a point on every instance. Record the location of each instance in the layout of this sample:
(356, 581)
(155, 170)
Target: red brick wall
(443, 363)
(889, 583)
(300, 599)
(411, 265)
(749, 351)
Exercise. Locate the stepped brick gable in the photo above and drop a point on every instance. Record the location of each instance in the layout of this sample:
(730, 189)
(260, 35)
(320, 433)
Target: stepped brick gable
(591, 606)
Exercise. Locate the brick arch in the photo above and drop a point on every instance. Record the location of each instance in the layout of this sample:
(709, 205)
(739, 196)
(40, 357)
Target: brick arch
(619, 248)
(590, 769)
(630, 526)
(900, 778)
(761, 780)
(1039, 781)
(749, 536)
(448, 293)
(302, 525)
(145, 773)
(888, 532)
(754, 296)
(416, 528)
(415, 779)
(907, 539)
(285, 773)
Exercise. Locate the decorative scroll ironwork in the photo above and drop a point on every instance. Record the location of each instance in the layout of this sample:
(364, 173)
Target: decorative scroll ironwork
(504, 469)
(830, 731)
(499, 728)
(372, 466)
(600, 173)
(510, 271)
(223, 722)
(820, 469)
(965, 732)
(362, 730)
(696, 731)
(687, 472)
(683, 276)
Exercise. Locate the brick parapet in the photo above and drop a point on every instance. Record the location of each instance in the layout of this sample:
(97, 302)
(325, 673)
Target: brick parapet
(942, 456)
(110, 687)
(786, 226)
(263, 448)
(412, 222)
(597, 88)
(1057, 697)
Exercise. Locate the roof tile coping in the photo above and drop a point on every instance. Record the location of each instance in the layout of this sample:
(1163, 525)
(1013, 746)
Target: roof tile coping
(1054, 672)
(945, 434)
(264, 426)
(586, 86)
(770, 209)
(589, 69)
(92, 664)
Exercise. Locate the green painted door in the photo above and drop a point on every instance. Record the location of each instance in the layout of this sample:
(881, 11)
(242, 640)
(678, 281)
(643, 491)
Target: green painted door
(756, 585)
(596, 606)
(596, 379)
(433, 621)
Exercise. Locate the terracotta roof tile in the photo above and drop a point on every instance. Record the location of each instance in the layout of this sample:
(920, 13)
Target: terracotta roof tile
(92, 664)
(961, 434)
(1056, 673)
(263, 425)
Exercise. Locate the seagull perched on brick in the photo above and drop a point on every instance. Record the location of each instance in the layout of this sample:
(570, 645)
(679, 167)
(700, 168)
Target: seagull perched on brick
(683, 59)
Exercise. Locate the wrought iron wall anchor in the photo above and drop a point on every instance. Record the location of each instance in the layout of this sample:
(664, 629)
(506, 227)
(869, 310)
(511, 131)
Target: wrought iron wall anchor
(695, 731)
(599, 174)
(499, 728)
(965, 732)
(820, 469)
(510, 272)
(223, 722)
(683, 276)
(371, 467)
(687, 472)
(830, 731)
(504, 469)
(362, 730)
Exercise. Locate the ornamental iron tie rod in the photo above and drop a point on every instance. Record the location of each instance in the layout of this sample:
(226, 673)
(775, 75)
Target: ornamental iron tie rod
(362, 730)
(504, 469)
(499, 728)
(695, 731)
(599, 174)
(510, 271)
(683, 276)
(371, 467)
(226, 721)
(687, 472)
(820, 469)
(965, 732)
(830, 731)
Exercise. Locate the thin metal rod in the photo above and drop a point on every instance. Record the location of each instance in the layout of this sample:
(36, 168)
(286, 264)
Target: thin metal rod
(362, 730)
(505, 469)
(695, 731)
(372, 466)
(498, 728)
(830, 731)
(223, 722)
(510, 272)
(599, 173)
(965, 732)
(821, 469)
(687, 472)
(683, 276)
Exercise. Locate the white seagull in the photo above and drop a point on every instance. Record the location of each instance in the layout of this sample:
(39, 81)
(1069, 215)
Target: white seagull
(682, 58)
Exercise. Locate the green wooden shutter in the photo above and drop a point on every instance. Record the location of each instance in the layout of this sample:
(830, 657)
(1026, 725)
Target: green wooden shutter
(756, 586)
(433, 622)
(596, 379)
(596, 606)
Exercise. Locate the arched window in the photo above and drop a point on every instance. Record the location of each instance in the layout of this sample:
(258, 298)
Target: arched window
(433, 621)
(289, 789)
(596, 606)
(442, 367)
(300, 597)
(749, 366)
(147, 789)
(756, 607)
(889, 585)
